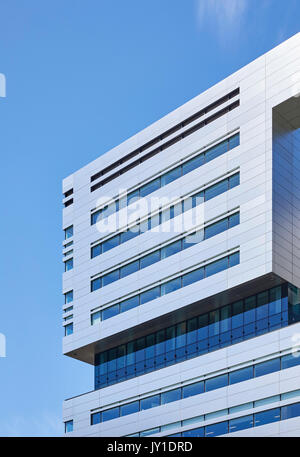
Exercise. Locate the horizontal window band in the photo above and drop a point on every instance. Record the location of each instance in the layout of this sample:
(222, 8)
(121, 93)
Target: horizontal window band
(191, 330)
(169, 213)
(166, 178)
(230, 324)
(163, 146)
(231, 372)
(244, 422)
(166, 206)
(167, 287)
(178, 237)
(170, 249)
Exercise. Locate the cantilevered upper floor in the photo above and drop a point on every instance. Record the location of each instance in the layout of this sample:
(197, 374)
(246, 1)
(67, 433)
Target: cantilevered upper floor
(195, 212)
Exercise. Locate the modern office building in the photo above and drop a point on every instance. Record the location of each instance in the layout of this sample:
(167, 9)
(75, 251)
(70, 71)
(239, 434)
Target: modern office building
(182, 266)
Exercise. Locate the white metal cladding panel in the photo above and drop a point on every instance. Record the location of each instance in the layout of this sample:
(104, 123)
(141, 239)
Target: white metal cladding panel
(79, 408)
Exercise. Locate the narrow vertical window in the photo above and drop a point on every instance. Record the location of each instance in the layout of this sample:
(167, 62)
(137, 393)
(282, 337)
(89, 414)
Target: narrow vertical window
(68, 232)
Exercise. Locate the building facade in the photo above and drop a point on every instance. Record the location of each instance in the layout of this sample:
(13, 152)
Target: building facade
(182, 266)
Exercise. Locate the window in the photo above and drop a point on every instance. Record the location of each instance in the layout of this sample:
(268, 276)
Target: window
(170, 286)
(193, 389)
(95, 216)
(192, 164)
(275, 301)
(234, 181)
(170, 426)
(266, 417)
(110, 277)
(68, 297)
(241, 423)
(170, 396)
(239, 408)
(290, 360)
(194, 238)
(95, 284)
(150, 294)
(267, 367)
(110, 414)
(133, 197)
(197, 199)
(171, 249)
(149, 259)
(216, 189)
(68, 232)
(216, 151)
(291, 394)
(96, 250)
(110, 243)
(150, 432)
(130, 408)
(234, 141)
(150, 187)
(192, 420)
(69, 264)
(110, 209)
(112, 311)
(150, 402)
(69, 426)
(192, 277)
(216, 267)
(216, 383)
(171, 176)
(266, 401)
(216, 429)
(68, 329)
(129, 269)
(130, 303)
(234, 259)
(132, 232)
(234, 220)
(96, 318)
(154, 221)
(67, 310)
(289, 411)
(216, 414)
(196, 432)
(241, 375)
(95, 418)
(216, 228)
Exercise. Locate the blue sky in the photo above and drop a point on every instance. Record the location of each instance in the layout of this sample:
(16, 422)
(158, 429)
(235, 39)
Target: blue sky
(82, 76)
